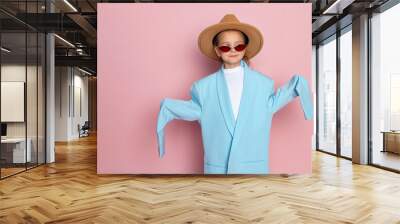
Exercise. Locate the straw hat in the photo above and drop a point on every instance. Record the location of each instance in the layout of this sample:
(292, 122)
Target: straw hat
(229, 21)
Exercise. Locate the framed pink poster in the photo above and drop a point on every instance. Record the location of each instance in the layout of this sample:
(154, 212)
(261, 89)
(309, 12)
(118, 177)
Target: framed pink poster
(165, 107)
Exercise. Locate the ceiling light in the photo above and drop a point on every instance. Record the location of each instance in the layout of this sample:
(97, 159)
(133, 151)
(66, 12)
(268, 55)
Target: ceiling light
(330, 7)
(84, 71)
(70, 5)
(338, 6)
(64, 40)
(5, 50)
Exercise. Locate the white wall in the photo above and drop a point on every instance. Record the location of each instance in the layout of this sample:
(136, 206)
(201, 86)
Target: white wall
(70, 83)
(80, 83)
(61, 103)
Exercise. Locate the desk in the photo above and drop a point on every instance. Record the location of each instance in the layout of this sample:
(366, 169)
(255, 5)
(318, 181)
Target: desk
(16, 151)
(391, 141)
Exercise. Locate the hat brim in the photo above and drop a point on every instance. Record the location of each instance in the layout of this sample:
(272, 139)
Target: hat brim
(206, 36)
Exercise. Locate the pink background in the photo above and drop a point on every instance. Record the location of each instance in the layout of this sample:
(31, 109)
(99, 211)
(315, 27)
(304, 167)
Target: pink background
(148, 51)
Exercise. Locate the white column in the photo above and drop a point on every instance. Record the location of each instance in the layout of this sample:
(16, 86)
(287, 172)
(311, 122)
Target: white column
(360, 90)
(50, 91)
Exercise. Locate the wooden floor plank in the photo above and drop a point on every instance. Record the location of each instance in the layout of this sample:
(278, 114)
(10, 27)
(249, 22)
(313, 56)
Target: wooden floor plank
(70, 191)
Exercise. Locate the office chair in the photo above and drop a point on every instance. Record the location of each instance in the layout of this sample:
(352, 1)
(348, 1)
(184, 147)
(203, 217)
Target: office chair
(84, 130)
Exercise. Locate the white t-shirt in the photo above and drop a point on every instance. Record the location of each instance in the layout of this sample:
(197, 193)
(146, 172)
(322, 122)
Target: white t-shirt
(234, 80)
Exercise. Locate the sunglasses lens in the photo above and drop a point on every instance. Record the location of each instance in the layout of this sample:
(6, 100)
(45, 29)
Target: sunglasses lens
(240, 47)
(224, 48)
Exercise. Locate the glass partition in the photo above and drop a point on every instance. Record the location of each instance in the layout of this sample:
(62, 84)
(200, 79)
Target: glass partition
(22, 63)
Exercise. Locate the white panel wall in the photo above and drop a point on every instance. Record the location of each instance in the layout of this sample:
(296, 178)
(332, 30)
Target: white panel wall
(70, 84)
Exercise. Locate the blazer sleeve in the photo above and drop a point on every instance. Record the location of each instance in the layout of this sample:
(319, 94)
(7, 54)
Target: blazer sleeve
(296, 86)
(170, 109)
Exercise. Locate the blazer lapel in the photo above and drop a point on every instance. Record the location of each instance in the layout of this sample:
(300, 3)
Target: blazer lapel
(245, 101)
(224, 101)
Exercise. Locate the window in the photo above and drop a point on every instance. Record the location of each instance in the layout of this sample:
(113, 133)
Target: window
(346, 75)
(385, 88)
(327, 95)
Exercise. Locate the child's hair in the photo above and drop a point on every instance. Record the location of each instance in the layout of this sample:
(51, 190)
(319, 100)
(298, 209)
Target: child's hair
(246, 41)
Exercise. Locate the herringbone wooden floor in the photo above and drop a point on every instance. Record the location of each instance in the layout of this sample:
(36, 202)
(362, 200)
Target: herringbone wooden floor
(70, 191)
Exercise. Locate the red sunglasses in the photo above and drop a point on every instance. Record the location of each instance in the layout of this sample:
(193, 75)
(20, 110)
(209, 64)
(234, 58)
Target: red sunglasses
(239, 47)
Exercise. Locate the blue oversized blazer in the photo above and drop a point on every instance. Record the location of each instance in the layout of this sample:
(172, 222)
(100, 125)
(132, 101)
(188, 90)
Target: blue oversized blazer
(230, 147)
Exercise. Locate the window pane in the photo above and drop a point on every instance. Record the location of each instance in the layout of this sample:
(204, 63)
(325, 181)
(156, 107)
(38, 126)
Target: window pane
(386, 88)
(327, 96)
(346, 93)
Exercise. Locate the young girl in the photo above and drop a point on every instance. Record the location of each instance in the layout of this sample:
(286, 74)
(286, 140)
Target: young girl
(235, 104)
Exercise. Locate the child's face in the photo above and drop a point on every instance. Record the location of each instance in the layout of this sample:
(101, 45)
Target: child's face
(230, 38)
